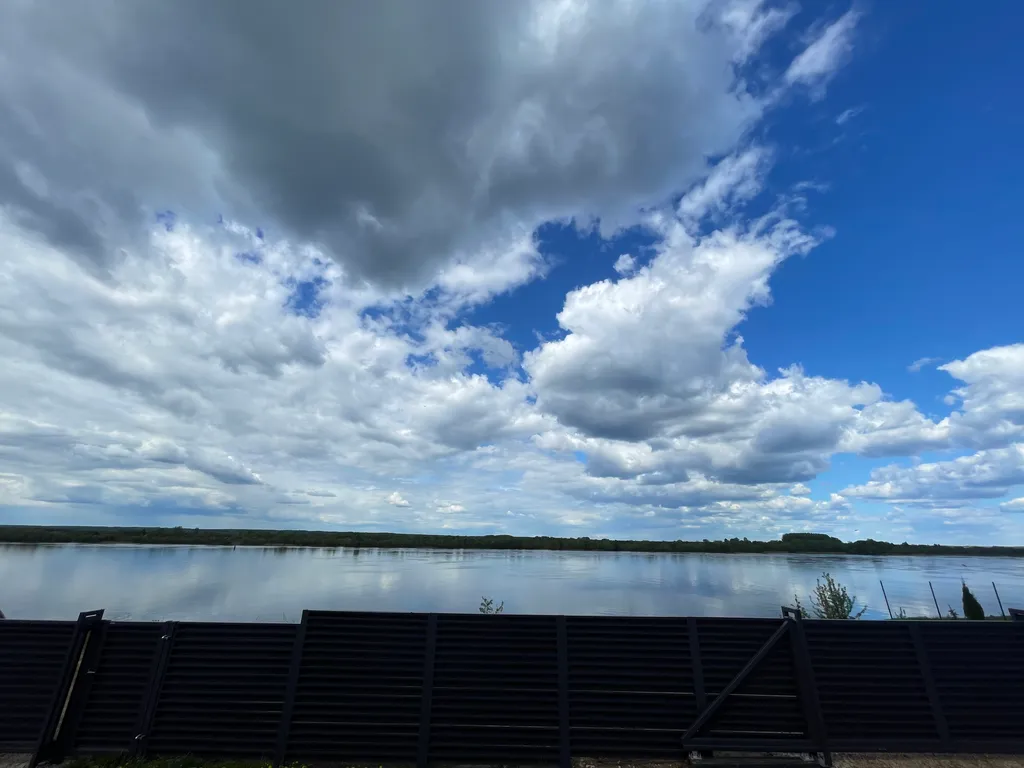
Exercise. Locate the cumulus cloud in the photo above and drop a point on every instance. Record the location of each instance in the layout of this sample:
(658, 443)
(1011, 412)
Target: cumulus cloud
(988, 474)
(991, 401)
(404, 140)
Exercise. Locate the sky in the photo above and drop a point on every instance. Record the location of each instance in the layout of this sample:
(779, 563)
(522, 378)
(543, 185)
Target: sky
(660, 270)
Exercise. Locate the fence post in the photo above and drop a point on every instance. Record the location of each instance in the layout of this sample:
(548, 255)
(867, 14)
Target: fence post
(886, 599)
(998, 600)
(935, 599)
(430, 651)
(284, 727)
(807, 685)
(52, 739)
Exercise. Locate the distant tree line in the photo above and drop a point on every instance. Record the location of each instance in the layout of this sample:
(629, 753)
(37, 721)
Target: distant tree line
(809, 543)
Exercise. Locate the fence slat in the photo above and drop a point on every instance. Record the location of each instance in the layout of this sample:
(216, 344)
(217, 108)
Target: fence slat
(429, 652)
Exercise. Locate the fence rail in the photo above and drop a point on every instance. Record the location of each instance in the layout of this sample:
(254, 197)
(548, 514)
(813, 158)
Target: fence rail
(416, 688)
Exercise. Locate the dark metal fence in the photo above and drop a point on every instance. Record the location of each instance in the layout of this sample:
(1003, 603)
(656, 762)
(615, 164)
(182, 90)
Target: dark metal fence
(508, 688)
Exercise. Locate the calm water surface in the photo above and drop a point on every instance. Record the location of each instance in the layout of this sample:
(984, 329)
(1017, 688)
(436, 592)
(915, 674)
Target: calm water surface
(268, 584)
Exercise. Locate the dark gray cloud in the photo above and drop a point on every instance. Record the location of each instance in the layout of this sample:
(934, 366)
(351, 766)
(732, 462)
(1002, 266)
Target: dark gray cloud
(397, 133)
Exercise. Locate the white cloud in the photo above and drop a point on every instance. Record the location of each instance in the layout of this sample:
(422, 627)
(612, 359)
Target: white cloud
(396, 500)
(848, 114)
(734, 180)
(988, 474)
(923, 362)
(818, 62)
(625, 264)
(992, 401)
(751, 23)
(1014, 505)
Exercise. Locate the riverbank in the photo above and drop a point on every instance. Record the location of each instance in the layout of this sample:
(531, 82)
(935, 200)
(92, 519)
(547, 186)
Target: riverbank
(790, 543)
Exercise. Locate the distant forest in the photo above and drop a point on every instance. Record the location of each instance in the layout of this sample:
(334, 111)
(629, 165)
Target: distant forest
(807, 543)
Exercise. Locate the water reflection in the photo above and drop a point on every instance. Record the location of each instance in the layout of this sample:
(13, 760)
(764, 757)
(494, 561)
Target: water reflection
(271, 584)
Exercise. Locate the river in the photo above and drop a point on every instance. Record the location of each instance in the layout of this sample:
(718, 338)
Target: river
(270, 584)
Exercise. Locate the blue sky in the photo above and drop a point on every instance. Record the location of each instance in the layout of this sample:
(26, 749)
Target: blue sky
(678, 270)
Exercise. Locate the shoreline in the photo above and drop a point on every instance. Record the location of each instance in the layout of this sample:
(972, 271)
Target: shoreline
(789, 544)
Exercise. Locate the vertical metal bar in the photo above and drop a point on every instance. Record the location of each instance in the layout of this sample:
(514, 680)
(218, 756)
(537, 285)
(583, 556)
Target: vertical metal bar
(157, 670)
(941, 726)
(936, 600)
(284, 727)
(808, 687)
(998, 600)
(699, 694)
(61, 696)
(888, 607)
(564, 743)
(430, 651)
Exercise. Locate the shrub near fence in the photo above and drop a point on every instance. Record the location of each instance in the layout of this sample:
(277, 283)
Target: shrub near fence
(508, 688)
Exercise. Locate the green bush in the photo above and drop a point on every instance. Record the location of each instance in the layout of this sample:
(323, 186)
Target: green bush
(830, 600)
(487, 606)
(972, 608)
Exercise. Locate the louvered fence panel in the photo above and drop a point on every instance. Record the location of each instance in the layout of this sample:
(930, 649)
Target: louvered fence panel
(871, 687)
(118, 688)
(631, 685)
(360, 685)
(978, 669)
(32, 658)
(224, 689)
(495, 688)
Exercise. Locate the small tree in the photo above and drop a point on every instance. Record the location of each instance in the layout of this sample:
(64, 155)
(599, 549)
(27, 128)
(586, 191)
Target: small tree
(952, 613)
(487, 606)
(972, 608)
(830, 600)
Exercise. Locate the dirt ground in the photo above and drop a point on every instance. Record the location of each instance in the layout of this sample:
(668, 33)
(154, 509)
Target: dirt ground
(857, 761)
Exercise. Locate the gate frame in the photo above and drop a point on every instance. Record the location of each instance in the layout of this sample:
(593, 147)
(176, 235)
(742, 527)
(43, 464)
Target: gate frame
(67, 701)
(816, 743)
